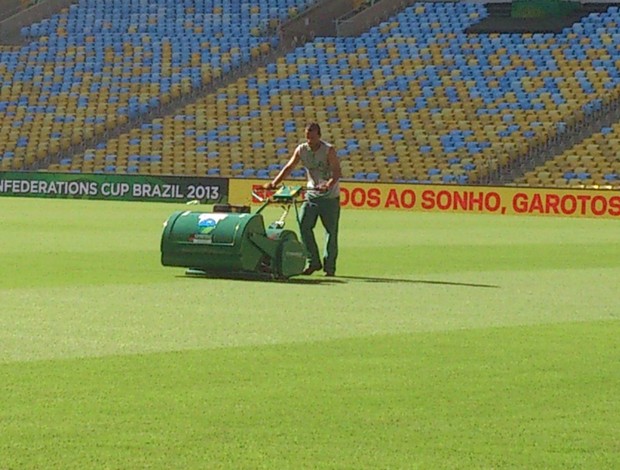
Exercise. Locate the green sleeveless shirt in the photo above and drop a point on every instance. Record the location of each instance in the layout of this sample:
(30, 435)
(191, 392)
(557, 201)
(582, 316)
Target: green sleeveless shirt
(317, 170)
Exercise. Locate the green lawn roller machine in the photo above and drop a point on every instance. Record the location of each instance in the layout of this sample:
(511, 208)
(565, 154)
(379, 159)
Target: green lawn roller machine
(232, 242)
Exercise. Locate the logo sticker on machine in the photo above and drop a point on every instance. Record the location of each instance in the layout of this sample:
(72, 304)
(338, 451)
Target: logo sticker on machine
(207, 222)
(204, 227)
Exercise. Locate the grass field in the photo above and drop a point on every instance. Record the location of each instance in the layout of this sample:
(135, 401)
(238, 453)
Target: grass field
(446, 341)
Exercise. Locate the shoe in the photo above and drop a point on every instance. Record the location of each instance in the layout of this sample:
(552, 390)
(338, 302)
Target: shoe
(311, 269)
(330, 274)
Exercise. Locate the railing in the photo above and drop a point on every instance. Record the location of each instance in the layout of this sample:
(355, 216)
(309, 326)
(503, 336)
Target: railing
(575, 130)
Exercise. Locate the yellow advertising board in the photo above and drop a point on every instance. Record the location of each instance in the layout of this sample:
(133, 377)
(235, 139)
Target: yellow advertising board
(506, 200)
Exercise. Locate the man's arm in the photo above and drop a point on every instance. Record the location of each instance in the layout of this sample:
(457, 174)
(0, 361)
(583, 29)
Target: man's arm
(285, 171)
(334, 165)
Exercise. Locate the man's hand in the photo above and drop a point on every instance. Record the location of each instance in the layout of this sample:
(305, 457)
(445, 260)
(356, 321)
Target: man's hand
(269, 185)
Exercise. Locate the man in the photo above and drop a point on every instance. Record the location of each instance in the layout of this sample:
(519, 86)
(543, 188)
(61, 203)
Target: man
(322, 197)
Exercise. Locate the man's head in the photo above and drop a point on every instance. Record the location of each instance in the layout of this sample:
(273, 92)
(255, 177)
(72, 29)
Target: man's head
(313, 134)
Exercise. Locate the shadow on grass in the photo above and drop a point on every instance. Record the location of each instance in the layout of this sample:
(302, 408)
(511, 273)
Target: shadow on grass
(416, 281)
(320, 280)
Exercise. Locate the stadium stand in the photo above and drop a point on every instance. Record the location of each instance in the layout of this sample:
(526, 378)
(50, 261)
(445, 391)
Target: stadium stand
(414, 99)
(98, 65)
